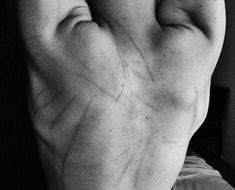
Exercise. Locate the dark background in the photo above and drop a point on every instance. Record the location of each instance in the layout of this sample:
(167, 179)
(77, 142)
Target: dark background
(20, 165)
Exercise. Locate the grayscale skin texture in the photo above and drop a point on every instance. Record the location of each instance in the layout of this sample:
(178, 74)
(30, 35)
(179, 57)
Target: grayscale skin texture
(118, 87)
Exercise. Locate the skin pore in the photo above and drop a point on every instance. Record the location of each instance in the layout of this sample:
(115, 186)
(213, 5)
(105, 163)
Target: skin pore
(119, 87)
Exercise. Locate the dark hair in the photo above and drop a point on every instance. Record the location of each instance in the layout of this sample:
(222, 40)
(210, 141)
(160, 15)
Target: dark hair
(21, 165)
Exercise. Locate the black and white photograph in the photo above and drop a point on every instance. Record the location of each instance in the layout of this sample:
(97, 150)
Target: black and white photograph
(117, 94)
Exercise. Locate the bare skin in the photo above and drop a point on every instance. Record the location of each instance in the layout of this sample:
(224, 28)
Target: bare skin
(116, 95)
